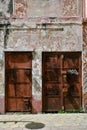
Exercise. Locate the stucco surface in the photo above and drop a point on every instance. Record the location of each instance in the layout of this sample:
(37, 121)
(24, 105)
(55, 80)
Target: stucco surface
(35, 8)
(38, 26)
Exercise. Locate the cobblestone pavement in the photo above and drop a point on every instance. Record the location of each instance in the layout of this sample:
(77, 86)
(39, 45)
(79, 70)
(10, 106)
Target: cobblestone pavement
(43, 122)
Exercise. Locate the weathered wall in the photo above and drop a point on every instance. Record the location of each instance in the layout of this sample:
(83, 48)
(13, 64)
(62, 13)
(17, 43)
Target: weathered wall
(45, 37)
(49, 25)
(85, 64)
(6, 8)
(45, 8)
(36, 37)
(2, 107)
(49, 8)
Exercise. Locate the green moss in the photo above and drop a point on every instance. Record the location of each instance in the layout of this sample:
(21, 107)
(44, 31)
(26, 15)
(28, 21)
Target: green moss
(72, 111)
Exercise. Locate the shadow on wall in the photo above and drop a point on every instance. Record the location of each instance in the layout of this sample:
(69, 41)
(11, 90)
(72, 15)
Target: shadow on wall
(34, 125)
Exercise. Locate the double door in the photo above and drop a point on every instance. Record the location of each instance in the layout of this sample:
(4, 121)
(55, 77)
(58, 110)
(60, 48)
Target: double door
(62, 85)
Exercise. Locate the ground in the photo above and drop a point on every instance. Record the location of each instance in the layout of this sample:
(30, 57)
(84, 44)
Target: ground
(44, 121)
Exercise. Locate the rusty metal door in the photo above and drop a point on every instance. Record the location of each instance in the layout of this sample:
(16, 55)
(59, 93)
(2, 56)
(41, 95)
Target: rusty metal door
(62, 85)
(18, 79)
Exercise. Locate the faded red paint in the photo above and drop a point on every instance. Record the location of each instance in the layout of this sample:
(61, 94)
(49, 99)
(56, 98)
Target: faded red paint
(36, 105)
(70, 8)
(20, 8)
(2, 105)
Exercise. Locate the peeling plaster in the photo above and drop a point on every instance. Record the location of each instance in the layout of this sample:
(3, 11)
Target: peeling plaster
(37, 8)
(27, 33)
(5, 8)
(69, 7)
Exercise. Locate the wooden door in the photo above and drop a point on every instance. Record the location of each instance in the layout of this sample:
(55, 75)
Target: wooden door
(61, 81)
(18, 79)
(51, 81)
(71, 79)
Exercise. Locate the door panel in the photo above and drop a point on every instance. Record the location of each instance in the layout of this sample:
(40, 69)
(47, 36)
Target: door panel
(20, 104)
(71, 81)
(51, 82)
(18, 81)
(62, 86)
(23, 90)
(11, 90)
(12, 105)
(53, 103)
(51, 75)
(71, 103)
(70, 60)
